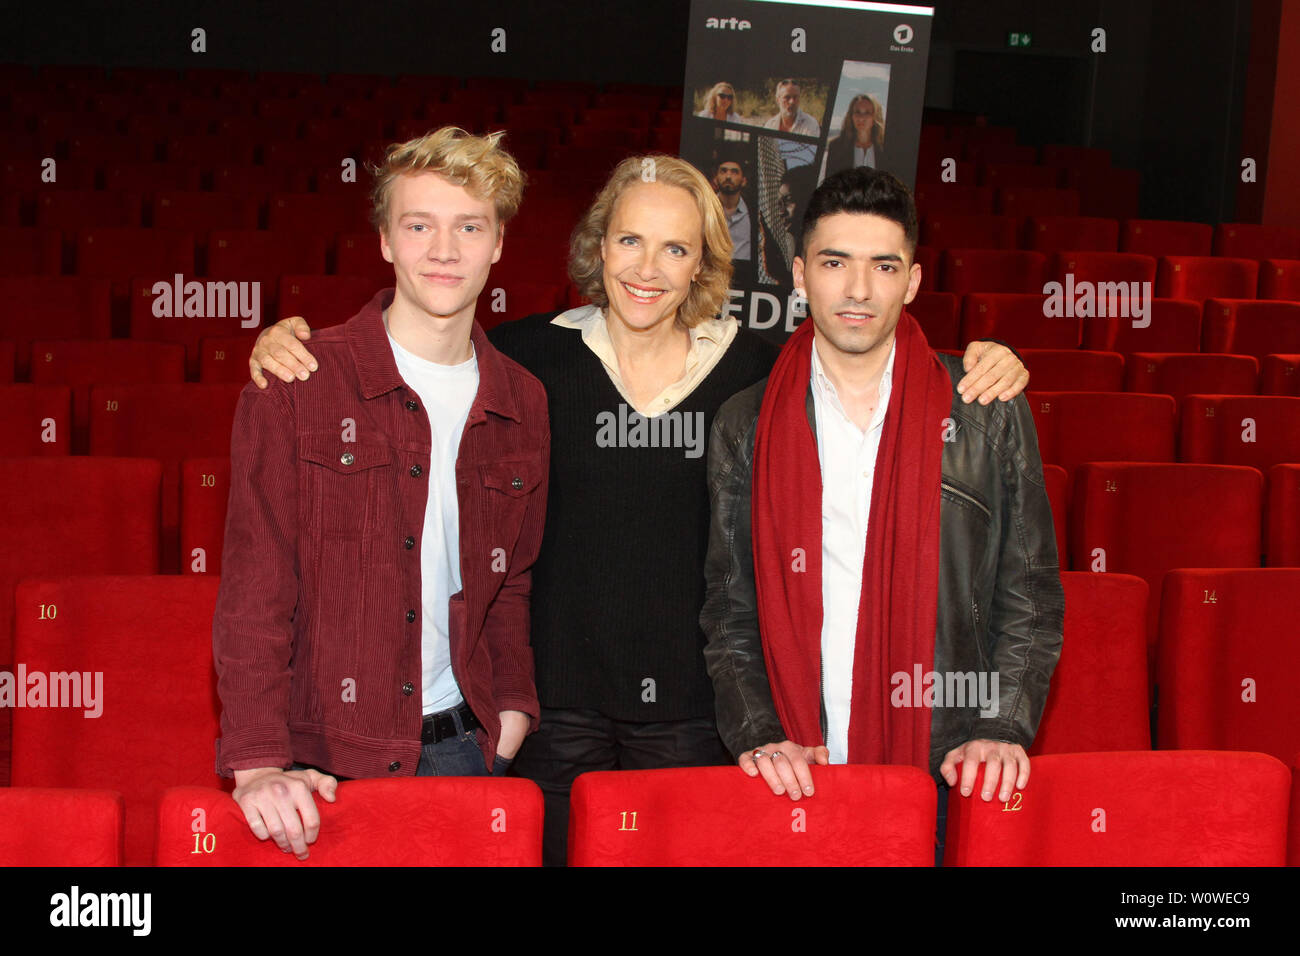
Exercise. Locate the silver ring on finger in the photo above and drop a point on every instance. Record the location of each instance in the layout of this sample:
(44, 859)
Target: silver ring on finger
(777, 754)
(760, 753)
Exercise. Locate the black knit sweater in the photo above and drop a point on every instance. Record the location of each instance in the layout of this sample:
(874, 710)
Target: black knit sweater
(618, 587)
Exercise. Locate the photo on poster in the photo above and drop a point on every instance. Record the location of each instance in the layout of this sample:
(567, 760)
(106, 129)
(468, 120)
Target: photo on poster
(856, 135)
(783, 190)
(729, 166)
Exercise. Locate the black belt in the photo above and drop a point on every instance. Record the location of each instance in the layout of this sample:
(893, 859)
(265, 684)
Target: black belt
(442, 725)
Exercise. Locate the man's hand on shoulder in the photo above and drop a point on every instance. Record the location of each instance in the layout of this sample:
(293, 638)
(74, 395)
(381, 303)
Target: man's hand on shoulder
(784, 766)
(278, 804)
(279, 350)
(992, 372)
(1005, 760)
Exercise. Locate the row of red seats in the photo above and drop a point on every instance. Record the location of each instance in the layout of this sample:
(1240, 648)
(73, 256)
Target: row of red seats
(714, 816)
(1221, 627)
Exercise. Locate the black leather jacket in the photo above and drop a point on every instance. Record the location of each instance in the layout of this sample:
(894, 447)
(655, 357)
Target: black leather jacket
(1001, 604)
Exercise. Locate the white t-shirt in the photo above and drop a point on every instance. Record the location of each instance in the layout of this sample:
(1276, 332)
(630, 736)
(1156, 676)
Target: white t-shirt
(447, 392)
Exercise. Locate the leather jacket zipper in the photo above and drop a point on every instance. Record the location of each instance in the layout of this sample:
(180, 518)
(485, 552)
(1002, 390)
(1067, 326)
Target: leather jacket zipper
(961, 494)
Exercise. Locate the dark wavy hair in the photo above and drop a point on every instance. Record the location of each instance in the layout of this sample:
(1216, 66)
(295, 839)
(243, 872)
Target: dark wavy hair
(862, 190)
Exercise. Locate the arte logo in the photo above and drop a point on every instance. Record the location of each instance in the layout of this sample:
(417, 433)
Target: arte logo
(722, 23)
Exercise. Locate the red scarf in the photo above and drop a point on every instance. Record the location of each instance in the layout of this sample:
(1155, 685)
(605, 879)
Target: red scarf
(900, 576)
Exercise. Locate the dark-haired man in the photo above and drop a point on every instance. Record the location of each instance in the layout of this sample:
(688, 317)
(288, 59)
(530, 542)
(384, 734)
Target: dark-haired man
(871, 532)
(729, 182)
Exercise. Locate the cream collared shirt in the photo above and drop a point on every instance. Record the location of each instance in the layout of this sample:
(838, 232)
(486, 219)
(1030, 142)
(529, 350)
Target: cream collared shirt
(847, 455)
(709, 342)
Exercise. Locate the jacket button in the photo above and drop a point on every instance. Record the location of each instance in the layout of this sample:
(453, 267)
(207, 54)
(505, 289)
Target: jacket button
(410, 615)
(413, 406)
(416, 471)
(408, 688)
(517, 484)
(409, 543)
(347, 458)
(395, 766)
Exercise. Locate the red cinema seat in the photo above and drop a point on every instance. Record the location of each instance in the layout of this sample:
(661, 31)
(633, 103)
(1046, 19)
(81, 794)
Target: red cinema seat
(1099, 266)
(260, 256)
(7, 360)
(1280, 375)
(1098, 699)
(149, 178)
(37, 420)
(201, 213)
(205, 490)
(1293, 840)
(48, 307)
(1226, 663)
(1206, 277)
(1165, 237)
(718, 816)
(1033, 201)
(1282, 520)
(938, 316)
(1017, 319)
(30, 252)
(1280, 279)
(245, 179)
(319, 213)
(1147, 519)
(994, 270)
(167, 422)
(503, 299)
(948, 231)
(158, 711)
(223, 305)
(357, 254)
(212, 151)
(1075, 427)
(424, 821)
(1073, 370)
(1002, 154)
(1183, 374)
(122, 254)
(930, 261)
(73, 209)
(325, 300)
(225, 358)
(953, 199)
(1171, 325)
(81, 363)
(1144, 808)
(1250, 241)
(51, 827)
(1258, 431)
(1250, 327)
(1019, 175)
(1057, 480)
(1075, 233)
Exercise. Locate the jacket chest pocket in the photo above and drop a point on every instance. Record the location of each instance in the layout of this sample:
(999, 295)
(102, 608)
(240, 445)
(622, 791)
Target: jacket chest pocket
(347, 483)
(506, 489)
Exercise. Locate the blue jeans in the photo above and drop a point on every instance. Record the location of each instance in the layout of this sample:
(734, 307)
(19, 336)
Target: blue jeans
(455, 756)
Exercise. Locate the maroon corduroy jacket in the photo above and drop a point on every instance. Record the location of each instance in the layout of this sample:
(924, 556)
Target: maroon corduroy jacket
(317, 627)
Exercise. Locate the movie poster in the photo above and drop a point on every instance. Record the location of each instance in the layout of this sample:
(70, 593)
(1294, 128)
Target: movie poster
(778, 95)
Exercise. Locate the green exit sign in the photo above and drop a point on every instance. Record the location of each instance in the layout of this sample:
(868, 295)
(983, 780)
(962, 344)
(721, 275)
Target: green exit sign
(1020, 39)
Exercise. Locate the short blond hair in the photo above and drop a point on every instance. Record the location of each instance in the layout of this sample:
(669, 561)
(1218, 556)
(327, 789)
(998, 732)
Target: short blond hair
(709, 289)
(478, 163)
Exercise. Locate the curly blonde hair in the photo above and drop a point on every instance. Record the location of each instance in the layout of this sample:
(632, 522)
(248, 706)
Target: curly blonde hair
(709, 289)
(478, 163)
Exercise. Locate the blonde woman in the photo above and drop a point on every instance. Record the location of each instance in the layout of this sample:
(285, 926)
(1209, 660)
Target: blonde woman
(720, 104)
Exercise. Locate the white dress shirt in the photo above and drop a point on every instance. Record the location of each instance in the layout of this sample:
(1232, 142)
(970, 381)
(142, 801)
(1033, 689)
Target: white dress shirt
(848, 464)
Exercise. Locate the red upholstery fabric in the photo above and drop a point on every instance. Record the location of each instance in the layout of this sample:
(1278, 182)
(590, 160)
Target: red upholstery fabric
(1057, 480)
(1213, 429)
(931, 262)
(936, 312)
(718, 816)
(265, 256)
(34, 413)
(1020, 175)
(190, 331)
(1206, 277)
(46, 827)
(147, 178)
(1293, 843)
(994, 270)
(1074, 370)
(1165, 237)
(1099, 266)
(1059, 233)
(122, 254)
(958, 199)
(1283, 516)
(1105, 191)
(325, 300)
(205, 490)
(25, 252)
(1098, 698)
(202, 212)
(1175, 327)
(415, 821)
(1035, 201)
(1018, 320)
(53, 307)
(1250, 327)
(151, 639)
(1280, 375)
(1150, 518)
(357, 254)
(1154, 808)
(224, 358)
(1279, 279)
(319, 213)
(954, 231)
(1075, 427)
(72, 209)
(7, 359)
(1183, 374)
(1253, 241)
(1227, 661)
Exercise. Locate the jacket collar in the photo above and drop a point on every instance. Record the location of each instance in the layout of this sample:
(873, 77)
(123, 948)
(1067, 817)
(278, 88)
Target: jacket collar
(377, 368)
